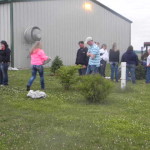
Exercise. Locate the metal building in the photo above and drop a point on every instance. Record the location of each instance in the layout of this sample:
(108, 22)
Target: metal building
(62, 24)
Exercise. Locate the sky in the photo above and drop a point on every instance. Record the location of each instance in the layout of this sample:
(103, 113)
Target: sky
(138, 11)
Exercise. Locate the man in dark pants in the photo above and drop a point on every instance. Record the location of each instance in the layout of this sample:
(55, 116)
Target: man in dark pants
(132, 61)
(81, 58)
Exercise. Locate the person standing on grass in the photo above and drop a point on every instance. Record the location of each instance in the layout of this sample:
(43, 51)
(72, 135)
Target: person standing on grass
(114, 55)
(81, 58)
(148, 68)
(104, 58)
(132, 61)
(37, 60)
(94, 57)
(4, 63)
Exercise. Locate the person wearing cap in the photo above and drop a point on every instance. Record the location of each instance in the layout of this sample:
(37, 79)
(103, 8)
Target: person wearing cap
(4, 63)
(81, 58)
(94, 56)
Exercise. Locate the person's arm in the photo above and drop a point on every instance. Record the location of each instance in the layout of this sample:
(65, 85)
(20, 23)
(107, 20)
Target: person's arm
(86, 58)
(77, 58)
(137, 60)
(148, 61)
(105, 56)
(86, 61)
(118, 56)
(7, 57)
(94, 53)
(109, 55)
(92, 56)
(123, 58)
(88, 54)
(43, 55)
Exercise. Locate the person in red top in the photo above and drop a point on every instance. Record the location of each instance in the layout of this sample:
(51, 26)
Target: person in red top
(37, 60)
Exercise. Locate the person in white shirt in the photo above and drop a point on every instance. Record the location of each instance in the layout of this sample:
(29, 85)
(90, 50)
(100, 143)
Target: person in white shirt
(148, 68)
(104, 59)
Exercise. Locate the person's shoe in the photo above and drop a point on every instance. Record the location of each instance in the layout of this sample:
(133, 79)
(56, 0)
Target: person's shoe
(28, 88)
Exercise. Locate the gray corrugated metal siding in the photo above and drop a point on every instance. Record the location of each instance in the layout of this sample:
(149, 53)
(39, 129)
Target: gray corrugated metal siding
(5, 22)
(63, 24)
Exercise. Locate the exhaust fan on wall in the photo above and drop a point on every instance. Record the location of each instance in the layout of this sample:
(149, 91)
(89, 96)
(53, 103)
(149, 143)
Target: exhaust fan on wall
(32, 34)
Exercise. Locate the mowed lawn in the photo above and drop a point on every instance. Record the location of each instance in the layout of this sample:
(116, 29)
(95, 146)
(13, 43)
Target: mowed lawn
(65, 121)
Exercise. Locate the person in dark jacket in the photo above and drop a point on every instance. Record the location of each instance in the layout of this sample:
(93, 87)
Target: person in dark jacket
(81, 58)
(132, 61)
(114, 54)
(4, 63)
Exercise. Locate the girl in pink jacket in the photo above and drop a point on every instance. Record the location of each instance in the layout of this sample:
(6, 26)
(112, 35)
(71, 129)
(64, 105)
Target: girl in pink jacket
(37, 60)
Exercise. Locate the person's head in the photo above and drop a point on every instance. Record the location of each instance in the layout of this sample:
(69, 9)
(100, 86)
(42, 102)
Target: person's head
(130, 48)
(37, 45)
(4, 45)
(104, 46)
(89, 41)
(97, 43)
(81, 44)
(114, 46)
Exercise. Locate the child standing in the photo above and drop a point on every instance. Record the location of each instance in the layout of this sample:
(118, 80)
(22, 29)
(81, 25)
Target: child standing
(148, 68)
(37, 59)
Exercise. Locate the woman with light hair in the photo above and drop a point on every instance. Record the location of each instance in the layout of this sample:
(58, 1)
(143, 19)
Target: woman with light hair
(114, 55)
(38, 57)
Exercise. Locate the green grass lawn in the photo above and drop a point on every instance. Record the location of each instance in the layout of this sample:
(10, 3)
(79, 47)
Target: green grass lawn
(65, 121)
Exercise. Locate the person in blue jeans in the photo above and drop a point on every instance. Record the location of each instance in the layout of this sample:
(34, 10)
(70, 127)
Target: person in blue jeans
(132, 61)
(114, 71)
(148, 68)
(4, 63)
(94, 56)
(114, 55)
(40, 70)
(37, 60)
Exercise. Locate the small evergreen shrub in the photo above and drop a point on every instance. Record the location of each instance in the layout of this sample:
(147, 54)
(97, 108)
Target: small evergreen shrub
(56, 64)
(140, 72)
(67, 75)
(94, 88)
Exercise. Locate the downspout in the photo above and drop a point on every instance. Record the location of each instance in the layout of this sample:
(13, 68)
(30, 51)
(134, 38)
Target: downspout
(12, 33)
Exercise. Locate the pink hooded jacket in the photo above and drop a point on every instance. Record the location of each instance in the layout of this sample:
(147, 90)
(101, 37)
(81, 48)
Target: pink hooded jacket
(38, 57)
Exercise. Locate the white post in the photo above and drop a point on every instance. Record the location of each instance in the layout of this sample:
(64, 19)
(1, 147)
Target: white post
(123, 75)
